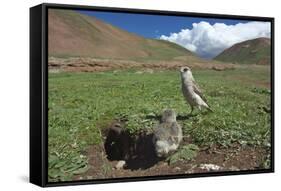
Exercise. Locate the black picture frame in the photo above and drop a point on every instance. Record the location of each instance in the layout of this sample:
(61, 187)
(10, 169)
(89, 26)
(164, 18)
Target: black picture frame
(39, 93)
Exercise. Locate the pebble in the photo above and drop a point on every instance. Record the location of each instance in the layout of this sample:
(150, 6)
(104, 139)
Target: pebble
(234, 168)
(120, 164)
(210, 167)
(177, 168)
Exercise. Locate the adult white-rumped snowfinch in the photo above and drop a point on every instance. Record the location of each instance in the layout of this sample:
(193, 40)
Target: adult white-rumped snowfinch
(191, 91)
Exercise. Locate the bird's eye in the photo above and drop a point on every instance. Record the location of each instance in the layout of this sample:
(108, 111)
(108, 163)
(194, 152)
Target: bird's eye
(185, 69)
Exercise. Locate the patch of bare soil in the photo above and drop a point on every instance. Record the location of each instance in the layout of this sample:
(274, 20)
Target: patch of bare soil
(77, 64)
(140, 160)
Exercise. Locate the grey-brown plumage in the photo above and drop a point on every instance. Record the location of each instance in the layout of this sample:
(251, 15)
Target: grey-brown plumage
(167, 135)
(191, 92)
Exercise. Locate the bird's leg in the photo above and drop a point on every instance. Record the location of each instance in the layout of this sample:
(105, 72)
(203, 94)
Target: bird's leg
(192, 108)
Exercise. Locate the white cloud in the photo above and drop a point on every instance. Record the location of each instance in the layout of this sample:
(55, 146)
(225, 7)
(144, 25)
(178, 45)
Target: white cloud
(208, 40)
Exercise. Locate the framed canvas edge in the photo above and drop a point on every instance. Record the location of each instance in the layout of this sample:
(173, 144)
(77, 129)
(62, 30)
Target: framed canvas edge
(36, 169)
(44, 82)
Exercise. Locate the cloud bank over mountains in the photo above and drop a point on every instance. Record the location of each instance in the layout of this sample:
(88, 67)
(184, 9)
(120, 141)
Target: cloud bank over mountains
(208, 40)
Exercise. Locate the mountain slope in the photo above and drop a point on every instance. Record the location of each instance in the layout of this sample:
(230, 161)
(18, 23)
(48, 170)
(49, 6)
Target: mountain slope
(255, 51)
(72, 34)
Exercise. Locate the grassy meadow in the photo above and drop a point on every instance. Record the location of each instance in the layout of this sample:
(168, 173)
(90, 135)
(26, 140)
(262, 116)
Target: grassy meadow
(80, 105)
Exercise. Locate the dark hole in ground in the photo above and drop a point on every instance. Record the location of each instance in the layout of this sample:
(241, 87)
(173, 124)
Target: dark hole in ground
(136, 149)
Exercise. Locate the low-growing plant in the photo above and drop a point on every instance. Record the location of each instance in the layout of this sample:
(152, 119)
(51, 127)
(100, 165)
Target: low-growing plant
(187, 152)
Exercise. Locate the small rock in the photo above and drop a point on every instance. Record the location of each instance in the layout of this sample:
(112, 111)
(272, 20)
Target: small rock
(120, 164)
(138, 72)
(150, 71)
(177, 168)
(163, 163)
(189, 171)
(210, 167)
(234, 168)
(89, 177)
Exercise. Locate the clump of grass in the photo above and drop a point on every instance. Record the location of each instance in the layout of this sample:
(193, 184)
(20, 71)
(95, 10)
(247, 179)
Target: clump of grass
(61, 169)
(187, 152)
(266, 164)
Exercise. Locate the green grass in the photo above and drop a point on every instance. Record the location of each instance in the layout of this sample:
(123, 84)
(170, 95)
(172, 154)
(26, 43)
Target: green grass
(80, 104)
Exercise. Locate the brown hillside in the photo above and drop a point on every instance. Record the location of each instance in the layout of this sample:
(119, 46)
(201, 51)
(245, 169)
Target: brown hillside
(75, 34)
(255, 51)
(83, 43)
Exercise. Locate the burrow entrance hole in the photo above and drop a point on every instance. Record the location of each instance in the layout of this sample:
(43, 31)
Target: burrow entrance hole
(136, 149)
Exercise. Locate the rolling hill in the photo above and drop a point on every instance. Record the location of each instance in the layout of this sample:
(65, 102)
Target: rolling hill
(72, 34)
(255, 51)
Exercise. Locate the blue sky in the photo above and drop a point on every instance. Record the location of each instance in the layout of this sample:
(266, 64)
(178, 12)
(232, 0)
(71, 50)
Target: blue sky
(152, 26)
(204, 36)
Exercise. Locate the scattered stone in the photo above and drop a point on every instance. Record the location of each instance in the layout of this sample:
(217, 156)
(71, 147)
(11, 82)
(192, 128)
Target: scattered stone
(150, 71)
(163, 164)
(234, 168)
(54, 71)
(222, 68)
(210, 167)
(177, 168)
(120, 164)
(89, 177)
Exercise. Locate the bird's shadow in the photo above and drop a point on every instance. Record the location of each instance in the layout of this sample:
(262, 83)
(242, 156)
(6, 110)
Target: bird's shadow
(180, 117)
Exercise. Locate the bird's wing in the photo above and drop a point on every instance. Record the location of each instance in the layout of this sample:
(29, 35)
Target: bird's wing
(198, 91)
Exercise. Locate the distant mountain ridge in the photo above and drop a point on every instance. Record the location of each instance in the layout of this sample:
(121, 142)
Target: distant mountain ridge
(82, 43)
(72, 34)
(255, 51)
